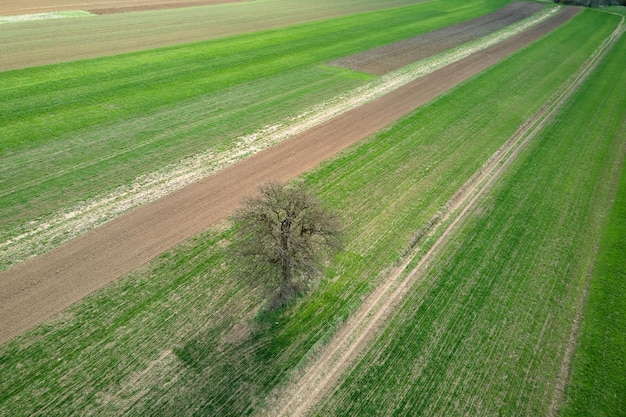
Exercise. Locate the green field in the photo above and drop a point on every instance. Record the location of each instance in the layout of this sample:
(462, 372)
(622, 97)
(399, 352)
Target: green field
(70, 132)
(485, 329)
(599, 366)
(184, 336)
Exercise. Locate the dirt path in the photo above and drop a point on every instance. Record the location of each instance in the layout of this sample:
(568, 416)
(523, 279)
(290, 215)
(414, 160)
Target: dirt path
(36, 290)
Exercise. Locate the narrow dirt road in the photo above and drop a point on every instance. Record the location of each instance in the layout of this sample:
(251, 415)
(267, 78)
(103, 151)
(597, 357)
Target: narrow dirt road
(38, 289)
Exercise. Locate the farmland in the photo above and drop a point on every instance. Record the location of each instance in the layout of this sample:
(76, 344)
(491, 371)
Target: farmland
(484, 330)
(129, 241)
(599, 370)
(85, 128)
(46, 42)
(185, 335)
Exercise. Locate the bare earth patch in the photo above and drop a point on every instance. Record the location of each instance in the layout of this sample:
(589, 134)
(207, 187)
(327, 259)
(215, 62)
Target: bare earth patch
(391, 57)
(45, 285)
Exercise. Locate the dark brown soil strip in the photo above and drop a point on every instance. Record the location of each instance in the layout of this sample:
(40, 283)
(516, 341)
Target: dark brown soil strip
(387, 58)
(46, 285)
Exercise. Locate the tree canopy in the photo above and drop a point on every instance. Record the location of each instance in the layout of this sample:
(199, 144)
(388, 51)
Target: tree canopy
(285, 234)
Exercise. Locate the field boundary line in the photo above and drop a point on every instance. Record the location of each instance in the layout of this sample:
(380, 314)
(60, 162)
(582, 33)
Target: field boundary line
(558, 394)
(339, 355)
(42, 235)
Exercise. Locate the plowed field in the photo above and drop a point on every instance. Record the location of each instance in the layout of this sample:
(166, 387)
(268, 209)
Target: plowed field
(46, 285)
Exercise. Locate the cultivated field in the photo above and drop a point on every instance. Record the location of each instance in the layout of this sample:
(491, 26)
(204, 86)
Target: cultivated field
(184, 335)
(127, 243)
(41, 42)
(487, 328)
(80, 131)
(598, 367)
(386, 58)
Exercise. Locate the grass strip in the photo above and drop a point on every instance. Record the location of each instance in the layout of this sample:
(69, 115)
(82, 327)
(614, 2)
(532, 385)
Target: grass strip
(598, 376)
(184, 336)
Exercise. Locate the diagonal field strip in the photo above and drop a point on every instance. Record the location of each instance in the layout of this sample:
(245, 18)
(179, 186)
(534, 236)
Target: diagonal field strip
(43, 234)
(559, 389)
(37, 289)
(340, 354)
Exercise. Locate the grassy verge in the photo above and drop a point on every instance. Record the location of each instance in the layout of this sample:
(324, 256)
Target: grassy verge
(485, 329)
(184, 336)
(598, 379)
(72, 131)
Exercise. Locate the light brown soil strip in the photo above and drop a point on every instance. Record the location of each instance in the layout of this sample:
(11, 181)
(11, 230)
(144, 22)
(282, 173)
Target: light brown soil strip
(341, 352)
(391, 57)
(13, 8)
(37, 289)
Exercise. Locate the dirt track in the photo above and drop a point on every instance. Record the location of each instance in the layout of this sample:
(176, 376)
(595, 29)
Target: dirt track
(13, 8)
(46, 285)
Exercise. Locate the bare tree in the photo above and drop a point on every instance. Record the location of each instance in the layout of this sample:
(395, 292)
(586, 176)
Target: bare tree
(284, 235)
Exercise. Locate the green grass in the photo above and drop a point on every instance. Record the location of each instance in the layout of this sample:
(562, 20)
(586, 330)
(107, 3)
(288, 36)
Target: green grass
(599, 367)
(184, 337)
(485, 330)
(72, 131)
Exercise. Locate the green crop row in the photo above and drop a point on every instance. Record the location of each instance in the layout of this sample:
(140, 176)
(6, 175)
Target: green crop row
(185, 335)
(599, 368)
(485, 329)
(73, 131)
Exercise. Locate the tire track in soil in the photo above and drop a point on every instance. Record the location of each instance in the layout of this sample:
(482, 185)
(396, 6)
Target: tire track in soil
(340, 354)
(38, 289)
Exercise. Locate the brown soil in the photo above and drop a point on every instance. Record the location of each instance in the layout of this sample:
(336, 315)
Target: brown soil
(391, 57)
(13, 8)
(36, 290)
